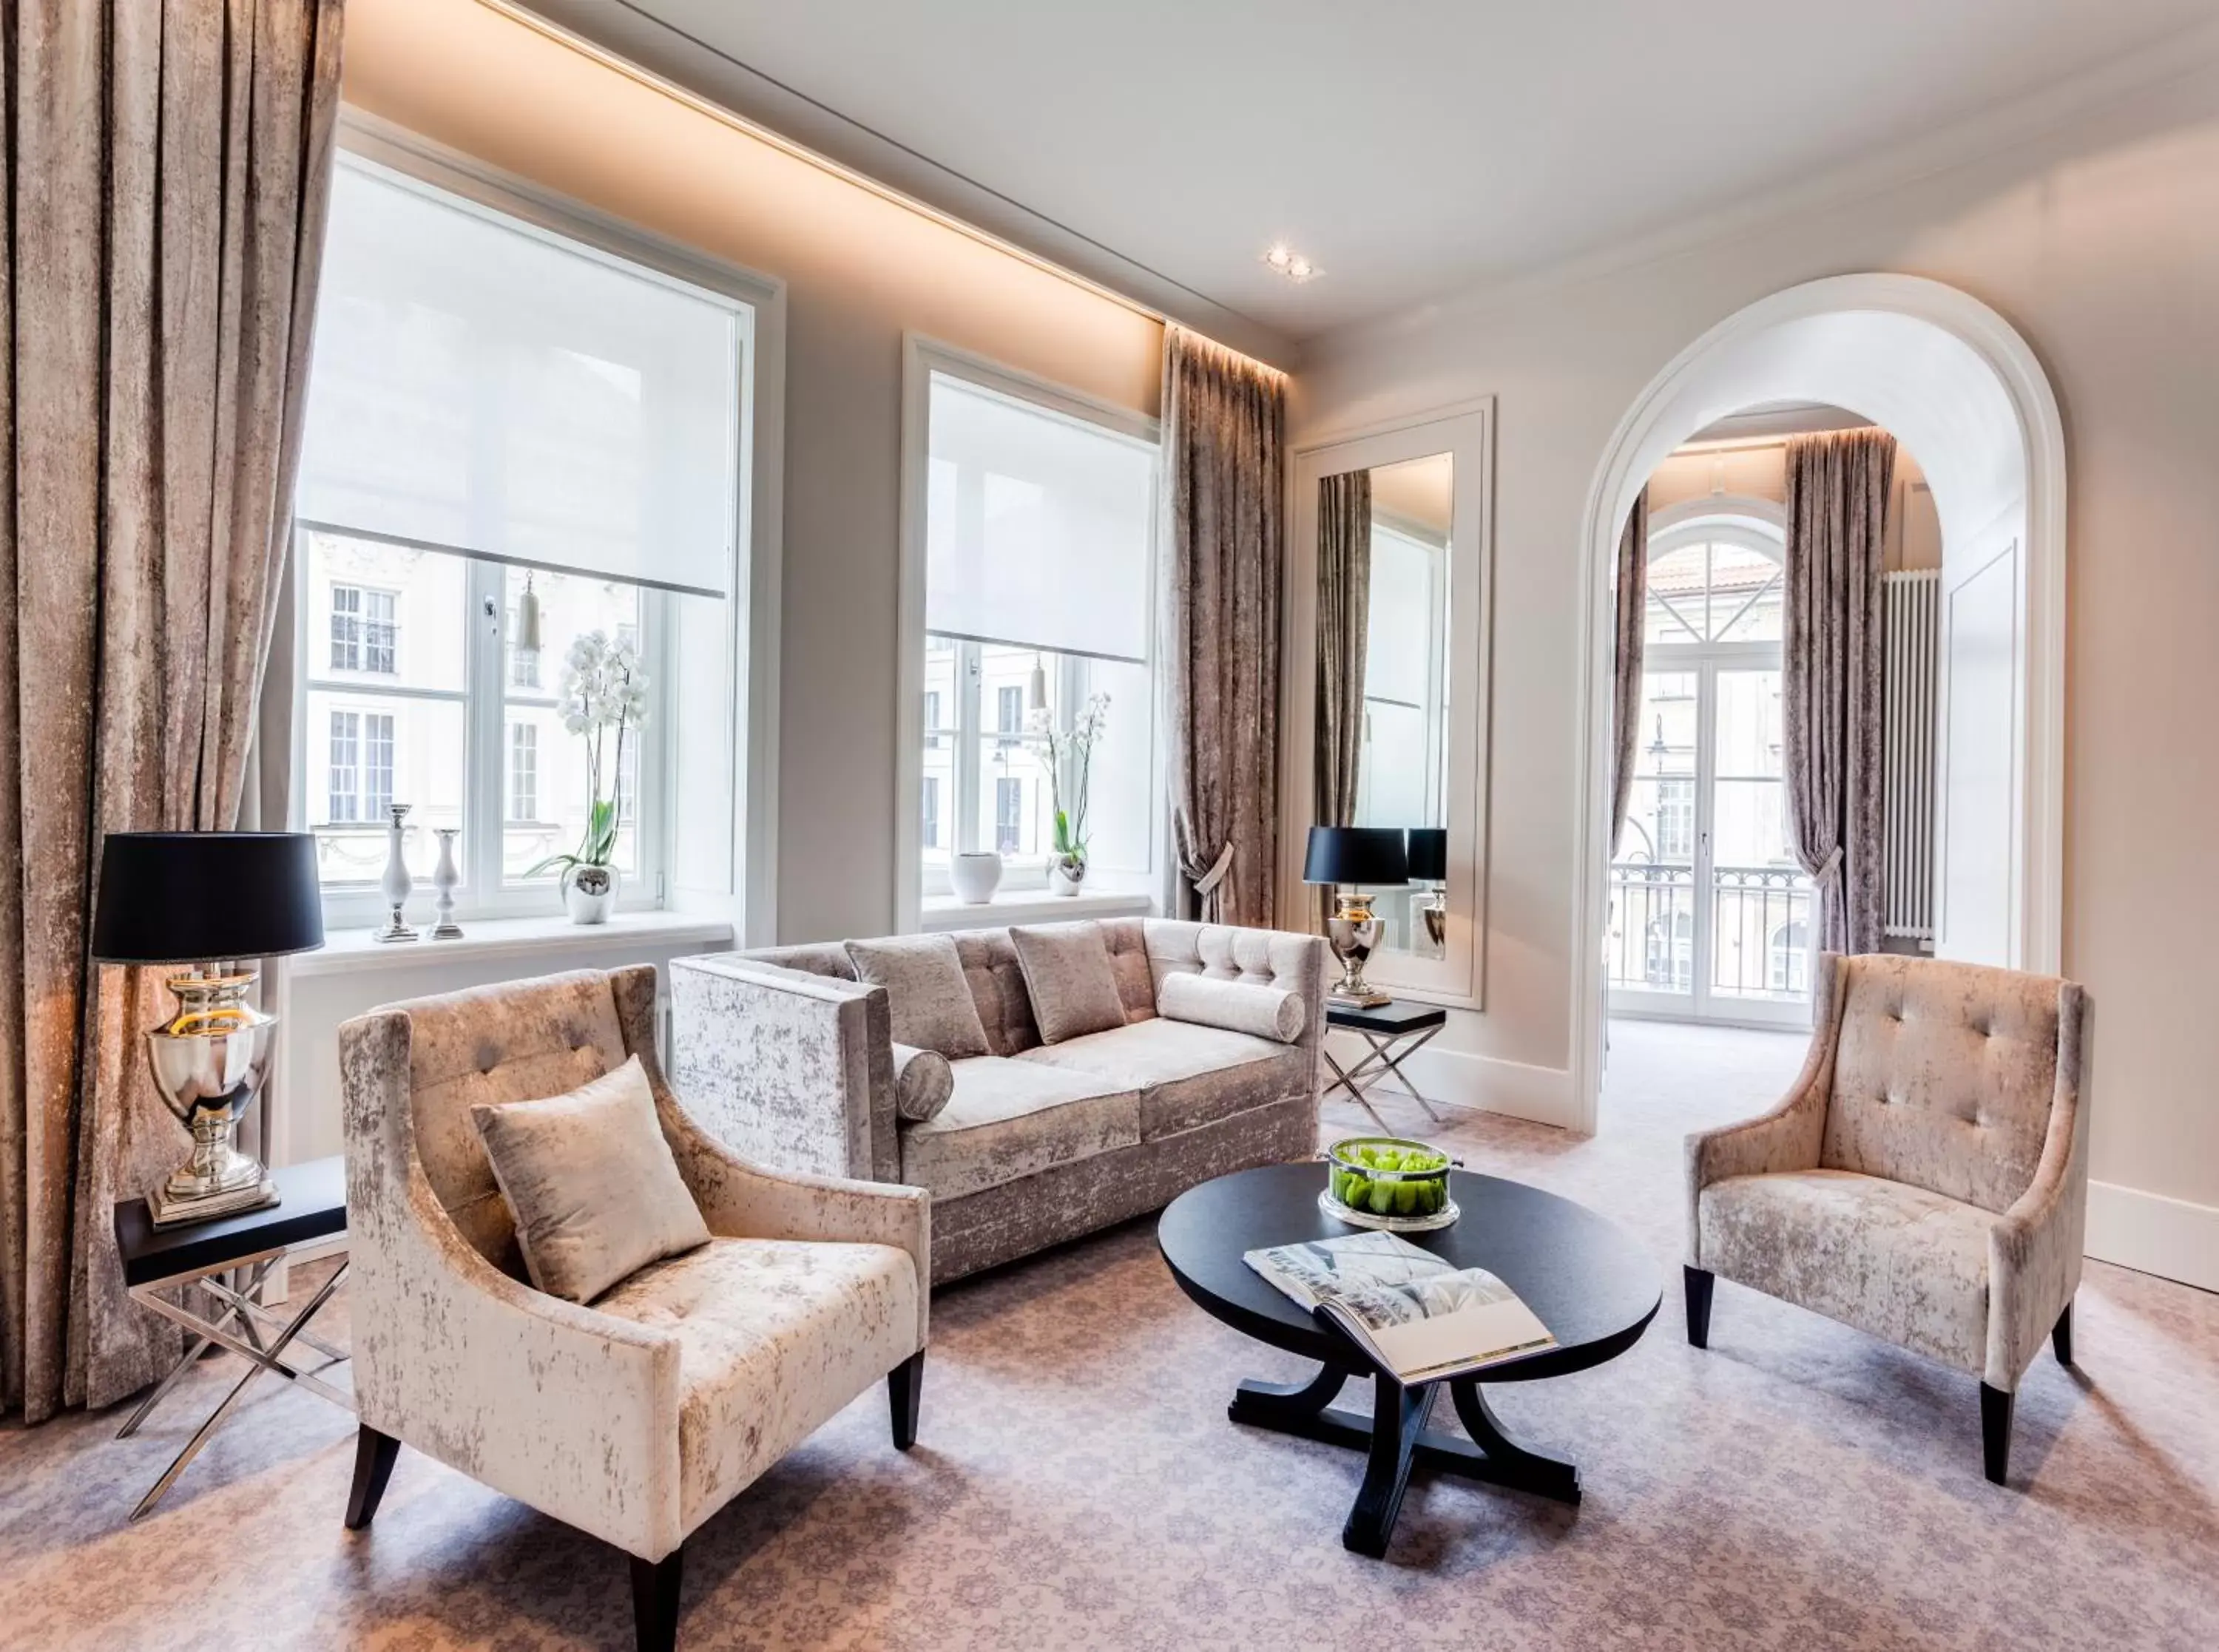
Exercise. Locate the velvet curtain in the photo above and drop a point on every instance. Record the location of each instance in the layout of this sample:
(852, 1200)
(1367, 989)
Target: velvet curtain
(1344, 599)
(1630, 634)
(1224, 444)
(166, 166)
(1831, 653)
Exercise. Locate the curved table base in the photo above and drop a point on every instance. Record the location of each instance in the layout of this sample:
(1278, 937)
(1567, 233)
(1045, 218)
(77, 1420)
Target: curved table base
(1395, 1439)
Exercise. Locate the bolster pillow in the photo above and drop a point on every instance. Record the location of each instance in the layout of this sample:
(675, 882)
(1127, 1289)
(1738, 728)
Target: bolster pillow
(923, 1083)
(1236, 1006)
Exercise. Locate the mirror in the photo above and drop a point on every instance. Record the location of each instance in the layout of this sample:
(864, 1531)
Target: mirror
(1381, 730)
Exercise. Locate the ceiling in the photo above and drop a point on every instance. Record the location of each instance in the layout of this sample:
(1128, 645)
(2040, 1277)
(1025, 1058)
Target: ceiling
(1408, 150)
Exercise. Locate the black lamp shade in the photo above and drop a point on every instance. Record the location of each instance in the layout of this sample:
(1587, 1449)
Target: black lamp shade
(194, 898)
(1429, 854)
(1356, 854)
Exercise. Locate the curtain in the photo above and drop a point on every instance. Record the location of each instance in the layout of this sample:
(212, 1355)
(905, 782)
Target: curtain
(1632, 630)
(1224, 460)
(1344, 597)
(167, 168)
(1831, 655)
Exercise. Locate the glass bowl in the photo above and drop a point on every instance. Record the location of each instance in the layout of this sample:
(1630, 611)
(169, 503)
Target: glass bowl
(1388, 1182)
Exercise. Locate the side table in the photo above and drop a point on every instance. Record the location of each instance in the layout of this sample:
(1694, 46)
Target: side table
(312, 1205)
(1395, 1031)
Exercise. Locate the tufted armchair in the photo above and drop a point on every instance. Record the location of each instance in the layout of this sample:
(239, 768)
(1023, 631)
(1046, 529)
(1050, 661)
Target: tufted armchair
(637, 1417)
(1926, 1179)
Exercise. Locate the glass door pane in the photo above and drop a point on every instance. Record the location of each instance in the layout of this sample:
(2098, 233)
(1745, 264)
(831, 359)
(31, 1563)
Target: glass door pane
(1652, 919)
(1759, 897)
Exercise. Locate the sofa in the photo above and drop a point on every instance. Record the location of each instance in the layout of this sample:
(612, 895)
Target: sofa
(789, 1054)
(1925, 1179)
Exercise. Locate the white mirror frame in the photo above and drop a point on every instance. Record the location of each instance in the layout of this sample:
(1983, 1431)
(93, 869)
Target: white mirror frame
(1465, 432)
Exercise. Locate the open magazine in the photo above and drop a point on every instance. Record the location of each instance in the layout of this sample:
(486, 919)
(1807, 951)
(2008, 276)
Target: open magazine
(1417, 1315)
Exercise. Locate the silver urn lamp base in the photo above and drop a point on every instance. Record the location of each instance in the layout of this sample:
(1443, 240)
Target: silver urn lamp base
(1353, 934)
(209, 1062)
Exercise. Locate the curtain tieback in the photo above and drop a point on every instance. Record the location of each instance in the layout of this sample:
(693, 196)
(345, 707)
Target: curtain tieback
(1209, 880)
(1830, 867)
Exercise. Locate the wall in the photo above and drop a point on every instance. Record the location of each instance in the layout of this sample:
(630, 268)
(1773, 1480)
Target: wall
(1913, 536)
(859, 269)
(2099, 240)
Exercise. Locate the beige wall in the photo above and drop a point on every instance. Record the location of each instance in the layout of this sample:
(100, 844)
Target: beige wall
(859, 269)
(2100, 242)
(1914, 530)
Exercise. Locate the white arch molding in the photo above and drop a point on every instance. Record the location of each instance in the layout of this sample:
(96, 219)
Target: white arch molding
(1957, 386)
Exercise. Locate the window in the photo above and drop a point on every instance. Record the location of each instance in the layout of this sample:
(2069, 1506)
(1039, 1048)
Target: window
(1038, 542)
(1675, 819)
(495, 404)
(1791, 959)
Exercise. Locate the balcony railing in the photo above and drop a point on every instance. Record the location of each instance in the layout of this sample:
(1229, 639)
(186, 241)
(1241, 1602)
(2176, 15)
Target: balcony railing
(1760, 929)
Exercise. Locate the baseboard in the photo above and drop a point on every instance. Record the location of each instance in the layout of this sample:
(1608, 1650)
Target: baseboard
(1543, 1095)
(2151, 1233)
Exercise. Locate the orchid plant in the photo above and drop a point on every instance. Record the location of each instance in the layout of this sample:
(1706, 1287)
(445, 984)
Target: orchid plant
(603, 689)
(1068, 755)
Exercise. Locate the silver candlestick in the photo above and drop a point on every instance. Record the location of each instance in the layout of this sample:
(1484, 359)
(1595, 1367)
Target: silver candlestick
(445, 877)
(396, 882)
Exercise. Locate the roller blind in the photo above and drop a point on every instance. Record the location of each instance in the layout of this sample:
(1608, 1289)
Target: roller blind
(1039, 528)
(480, 385)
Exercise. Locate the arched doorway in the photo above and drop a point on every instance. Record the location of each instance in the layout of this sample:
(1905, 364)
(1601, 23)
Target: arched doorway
(1955, 383)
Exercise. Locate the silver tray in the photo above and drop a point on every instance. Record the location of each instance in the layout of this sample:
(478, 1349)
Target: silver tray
(1340, 1212)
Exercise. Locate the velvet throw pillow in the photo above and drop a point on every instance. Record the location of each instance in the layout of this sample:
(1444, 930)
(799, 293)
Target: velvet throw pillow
(592, 1185)
(1069, 979)
(923, 1082)
(927, 1001)
(1251, 1007)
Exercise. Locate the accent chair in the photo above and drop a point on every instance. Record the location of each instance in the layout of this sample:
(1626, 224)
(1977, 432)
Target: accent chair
(1926, 1178)
(638, 1416)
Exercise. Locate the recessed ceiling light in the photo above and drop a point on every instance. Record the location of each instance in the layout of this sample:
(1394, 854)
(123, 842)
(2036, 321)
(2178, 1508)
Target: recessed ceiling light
(1290, 264)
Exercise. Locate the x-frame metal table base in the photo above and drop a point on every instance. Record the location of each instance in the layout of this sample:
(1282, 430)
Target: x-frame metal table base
(261, 1353)
(1384, 1062)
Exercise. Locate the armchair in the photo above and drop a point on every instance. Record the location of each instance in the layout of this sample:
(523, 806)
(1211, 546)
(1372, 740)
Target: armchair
(638, 1416)
(1926, 1178)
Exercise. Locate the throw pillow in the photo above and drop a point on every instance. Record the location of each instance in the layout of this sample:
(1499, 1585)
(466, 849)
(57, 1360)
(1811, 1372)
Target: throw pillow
(1069, 979)
(923, 1082)
(1237, 1006)
(592, 1185)
(927, 1001)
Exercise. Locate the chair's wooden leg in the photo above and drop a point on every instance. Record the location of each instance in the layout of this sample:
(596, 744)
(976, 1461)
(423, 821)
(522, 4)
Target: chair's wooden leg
(373, 1466)
(905, 1392)
(654, 1600)
(1699, 1281)
(2061, 1336)
(1995, 1432)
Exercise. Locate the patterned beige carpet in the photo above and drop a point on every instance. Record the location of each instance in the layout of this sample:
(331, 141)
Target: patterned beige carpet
(1076, 1484)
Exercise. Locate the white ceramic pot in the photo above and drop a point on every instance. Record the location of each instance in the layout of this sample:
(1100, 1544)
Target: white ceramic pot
(589, 893)
(1066, 876)
(975, 877)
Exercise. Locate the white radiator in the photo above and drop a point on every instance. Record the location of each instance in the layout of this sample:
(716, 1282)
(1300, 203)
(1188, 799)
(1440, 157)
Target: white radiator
(1913, 601)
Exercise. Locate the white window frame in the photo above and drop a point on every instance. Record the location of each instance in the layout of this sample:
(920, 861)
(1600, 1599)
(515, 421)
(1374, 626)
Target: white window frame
(922, 357)
(737, 881)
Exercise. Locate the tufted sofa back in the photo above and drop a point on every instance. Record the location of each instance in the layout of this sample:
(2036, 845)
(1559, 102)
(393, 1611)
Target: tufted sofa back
(1944, 1073)
(512, 1042)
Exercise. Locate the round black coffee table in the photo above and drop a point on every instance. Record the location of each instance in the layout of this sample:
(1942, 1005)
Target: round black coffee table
(1592, 1283)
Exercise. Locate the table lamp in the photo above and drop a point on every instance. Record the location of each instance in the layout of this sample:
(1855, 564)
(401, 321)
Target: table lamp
(213, 900)
(1345, 855)
(1429, 865)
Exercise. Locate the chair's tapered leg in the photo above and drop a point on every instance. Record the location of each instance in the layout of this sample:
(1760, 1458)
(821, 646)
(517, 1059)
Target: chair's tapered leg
(1995, 1432)
(1699, 1281)
(373, 1466)
(654, 1600)
(2061, 1336)
(905, 1392)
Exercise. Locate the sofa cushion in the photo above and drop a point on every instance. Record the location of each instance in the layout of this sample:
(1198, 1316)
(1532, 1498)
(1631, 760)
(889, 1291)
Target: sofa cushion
(774, 1337)
(1010, 1119)
(923, 1080)
(595, 1193)
(1238, 1006)
(1068, 978)
(1128, 940)
(927, 1001)
(997, 987)
(1895, 1260)
(1187, 1075)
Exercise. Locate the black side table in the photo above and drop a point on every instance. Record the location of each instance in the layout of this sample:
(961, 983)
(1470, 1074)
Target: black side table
(1396, 1031)
(312, 1205)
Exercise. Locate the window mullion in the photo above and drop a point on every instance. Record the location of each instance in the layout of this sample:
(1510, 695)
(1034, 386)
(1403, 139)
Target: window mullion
(969, 741)
(484, 747)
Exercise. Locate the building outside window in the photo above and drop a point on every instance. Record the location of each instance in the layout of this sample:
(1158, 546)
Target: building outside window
(1675, 819)
(360, 784)
(362, 631)
(1008, 812)
(930, 827)
(523, 772)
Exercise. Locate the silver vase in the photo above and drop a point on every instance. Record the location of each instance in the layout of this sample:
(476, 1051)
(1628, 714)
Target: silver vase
(396, 883)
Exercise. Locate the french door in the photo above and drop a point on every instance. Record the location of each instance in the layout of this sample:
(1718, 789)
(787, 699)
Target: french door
(1711, 914)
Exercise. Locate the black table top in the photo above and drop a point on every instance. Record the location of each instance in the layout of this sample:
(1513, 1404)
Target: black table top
(1590, 1281)
(1398, 1015)
(311, 1205)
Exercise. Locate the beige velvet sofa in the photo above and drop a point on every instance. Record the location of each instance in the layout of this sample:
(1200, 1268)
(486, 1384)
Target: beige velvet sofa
(789, 1058)
(1926, 1178)
(637, 1417)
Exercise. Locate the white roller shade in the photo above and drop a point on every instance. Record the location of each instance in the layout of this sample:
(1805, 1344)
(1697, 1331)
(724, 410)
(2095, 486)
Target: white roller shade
(481, 386)
(1039, 528)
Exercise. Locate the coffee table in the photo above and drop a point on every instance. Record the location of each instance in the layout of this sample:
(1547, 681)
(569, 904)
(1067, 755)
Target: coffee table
(1592, 1285)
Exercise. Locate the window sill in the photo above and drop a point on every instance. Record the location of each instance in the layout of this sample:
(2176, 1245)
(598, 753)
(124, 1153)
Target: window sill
(1029, 906)
(346, 951)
